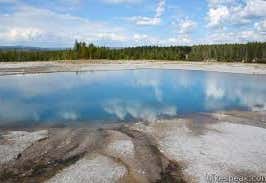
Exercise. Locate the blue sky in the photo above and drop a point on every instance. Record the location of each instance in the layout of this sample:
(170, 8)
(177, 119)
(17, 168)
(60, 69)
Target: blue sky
(118, 23)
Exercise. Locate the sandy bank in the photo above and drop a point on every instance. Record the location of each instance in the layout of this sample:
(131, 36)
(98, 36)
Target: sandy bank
(176, 150)
(81, 66)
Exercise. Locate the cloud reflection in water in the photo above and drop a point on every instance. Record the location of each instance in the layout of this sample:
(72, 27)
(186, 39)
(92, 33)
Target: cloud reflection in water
(112, 96)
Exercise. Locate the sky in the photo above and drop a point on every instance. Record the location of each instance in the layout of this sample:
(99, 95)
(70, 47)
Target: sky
(123, 23)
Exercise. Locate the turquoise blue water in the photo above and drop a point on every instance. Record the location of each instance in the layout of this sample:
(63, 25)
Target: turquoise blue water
(124, 96)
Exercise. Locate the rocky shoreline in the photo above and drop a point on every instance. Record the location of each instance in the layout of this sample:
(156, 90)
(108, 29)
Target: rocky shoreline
(175, 150)
(13, 68)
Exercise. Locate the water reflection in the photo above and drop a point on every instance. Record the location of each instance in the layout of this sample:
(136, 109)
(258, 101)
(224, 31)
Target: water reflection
(247, 91)
(151, 80)
(115, 96)
(138, 110)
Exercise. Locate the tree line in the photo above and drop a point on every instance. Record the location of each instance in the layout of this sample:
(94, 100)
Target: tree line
(250, 52)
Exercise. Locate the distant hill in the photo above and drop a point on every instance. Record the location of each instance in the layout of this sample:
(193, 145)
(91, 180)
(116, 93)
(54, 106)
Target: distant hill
(27, 48)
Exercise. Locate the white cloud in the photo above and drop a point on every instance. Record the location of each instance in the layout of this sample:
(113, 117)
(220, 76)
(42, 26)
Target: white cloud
(240, 36)
(27, 25)
(153, 81)
(182, 39)
(160, 8)
(41, 85)
(111, 36)
(217, 16)
(214, 3)
(186, 26)
(251, 95)
(261, 26)
(22, 111)
(231, 12)
(139, 20)
(122, 109)
(253, 8)
(213, 90)
(69, 115)
(140, 36)
(237, 21)
(34, 25)
(22, 34)
(156, 20)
